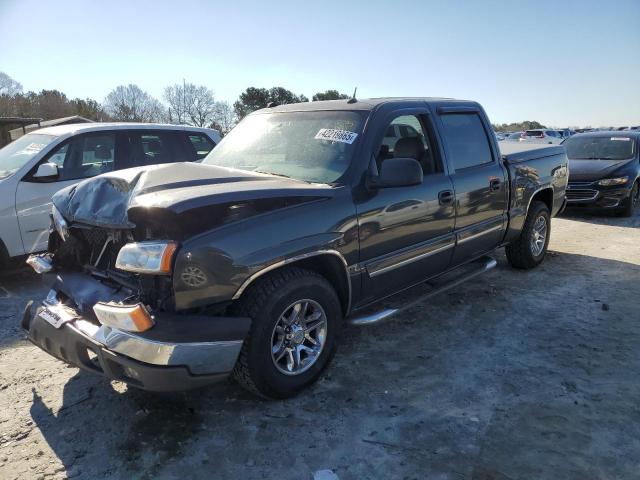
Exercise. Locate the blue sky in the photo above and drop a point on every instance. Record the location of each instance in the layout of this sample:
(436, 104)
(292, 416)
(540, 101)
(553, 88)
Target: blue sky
(558, 62)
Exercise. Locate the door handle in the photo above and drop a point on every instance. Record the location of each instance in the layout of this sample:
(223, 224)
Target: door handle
(494, 185)
(445, 197)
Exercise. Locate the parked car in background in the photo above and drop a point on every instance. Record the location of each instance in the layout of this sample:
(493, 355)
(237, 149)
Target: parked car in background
(251, 265)
(541, 136)
(396, 132)
(565, 133)
(604, 170)
(36, 165)
(513, 137)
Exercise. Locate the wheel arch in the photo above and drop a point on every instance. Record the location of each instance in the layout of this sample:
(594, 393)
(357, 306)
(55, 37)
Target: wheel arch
(328, 263)
(544, 195)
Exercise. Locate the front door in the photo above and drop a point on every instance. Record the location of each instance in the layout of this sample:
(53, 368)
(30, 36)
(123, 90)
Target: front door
(78, 158)
(479, 182)
(406, 233)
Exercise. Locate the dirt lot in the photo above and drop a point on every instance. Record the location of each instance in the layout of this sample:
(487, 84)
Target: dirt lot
(519, 375)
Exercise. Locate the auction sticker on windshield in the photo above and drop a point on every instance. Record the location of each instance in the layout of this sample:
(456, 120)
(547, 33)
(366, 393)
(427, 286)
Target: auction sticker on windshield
(334, 135)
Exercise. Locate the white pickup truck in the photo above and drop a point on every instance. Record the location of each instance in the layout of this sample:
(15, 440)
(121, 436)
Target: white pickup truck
(35, 166)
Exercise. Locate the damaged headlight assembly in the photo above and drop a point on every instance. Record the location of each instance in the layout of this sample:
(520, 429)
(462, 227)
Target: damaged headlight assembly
(153, 257)
(59, 223)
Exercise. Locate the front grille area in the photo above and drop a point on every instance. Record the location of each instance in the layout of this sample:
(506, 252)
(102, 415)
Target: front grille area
(581, 194)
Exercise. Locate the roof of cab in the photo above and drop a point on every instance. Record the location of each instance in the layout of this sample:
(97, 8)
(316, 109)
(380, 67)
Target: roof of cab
(366, 104)
(74, 128)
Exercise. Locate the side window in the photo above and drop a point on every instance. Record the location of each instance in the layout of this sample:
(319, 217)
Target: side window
(84, 156)
(467, 140)
(58, 155)
(201, 144)
(152, 148)
(391, 132)
(413, 142)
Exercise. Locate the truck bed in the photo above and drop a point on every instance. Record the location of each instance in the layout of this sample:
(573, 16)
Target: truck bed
(515, 152)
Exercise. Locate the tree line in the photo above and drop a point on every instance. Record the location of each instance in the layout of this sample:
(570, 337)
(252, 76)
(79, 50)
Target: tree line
(182, 103)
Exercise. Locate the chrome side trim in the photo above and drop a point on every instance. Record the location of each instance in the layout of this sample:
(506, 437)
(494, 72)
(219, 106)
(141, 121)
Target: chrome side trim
(288, 261)
(199, 357)
(407, 261)
(479, 234)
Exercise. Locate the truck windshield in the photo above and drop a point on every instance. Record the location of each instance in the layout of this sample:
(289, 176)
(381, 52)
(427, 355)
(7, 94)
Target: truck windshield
(310, 146)
(20, 151)
(599, 148)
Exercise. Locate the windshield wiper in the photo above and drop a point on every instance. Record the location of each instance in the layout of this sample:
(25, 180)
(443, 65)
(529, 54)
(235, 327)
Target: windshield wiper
(271, 173)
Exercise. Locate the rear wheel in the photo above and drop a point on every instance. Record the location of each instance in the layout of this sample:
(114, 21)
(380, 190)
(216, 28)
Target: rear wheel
(296, 317)
(632, 201)
(529, 249)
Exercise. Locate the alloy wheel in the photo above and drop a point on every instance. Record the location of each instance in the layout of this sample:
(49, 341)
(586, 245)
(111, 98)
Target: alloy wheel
(299, 337)
(539, 236)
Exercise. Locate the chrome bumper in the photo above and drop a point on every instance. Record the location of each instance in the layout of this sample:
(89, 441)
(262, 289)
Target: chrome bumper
(201, 358)
(129, 357)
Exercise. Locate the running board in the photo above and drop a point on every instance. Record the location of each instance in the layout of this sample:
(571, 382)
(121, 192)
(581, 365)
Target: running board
(375, 314)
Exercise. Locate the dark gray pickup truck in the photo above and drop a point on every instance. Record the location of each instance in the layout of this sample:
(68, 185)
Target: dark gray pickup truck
(174, 276)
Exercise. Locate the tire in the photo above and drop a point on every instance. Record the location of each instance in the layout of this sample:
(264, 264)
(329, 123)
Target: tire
(5, 260)
(521, 253)
(266, 302)
(632, 201)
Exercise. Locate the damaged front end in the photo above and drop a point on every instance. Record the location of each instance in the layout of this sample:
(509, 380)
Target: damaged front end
(111, 307)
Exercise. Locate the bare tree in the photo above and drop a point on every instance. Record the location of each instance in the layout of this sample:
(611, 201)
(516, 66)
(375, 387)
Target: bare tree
(203, 106)
(224, 118)
(8, 86)
(190, 104)
(175, 96)
(131, 104)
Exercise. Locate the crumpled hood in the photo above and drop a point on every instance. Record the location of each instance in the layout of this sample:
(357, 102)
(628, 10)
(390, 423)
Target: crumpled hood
(592, 170)
(117, 199)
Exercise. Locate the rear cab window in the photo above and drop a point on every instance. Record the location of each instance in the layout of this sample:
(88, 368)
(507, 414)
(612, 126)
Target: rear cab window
(466, 140)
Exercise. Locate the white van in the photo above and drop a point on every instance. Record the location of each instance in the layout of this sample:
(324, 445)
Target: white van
(36, 165)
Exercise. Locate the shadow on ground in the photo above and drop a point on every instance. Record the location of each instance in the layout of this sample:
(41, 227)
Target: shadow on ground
(515, 375)
(601, 217)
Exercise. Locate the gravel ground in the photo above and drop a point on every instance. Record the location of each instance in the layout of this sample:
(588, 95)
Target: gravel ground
(519, 375)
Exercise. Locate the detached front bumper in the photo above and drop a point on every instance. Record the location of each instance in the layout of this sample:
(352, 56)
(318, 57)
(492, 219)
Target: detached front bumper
(180, 352)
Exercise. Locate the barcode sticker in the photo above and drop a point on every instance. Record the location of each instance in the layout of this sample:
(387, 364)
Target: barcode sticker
(334, 135)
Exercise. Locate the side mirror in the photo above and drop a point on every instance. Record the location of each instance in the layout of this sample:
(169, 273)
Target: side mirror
(46, 171)
(398, 172)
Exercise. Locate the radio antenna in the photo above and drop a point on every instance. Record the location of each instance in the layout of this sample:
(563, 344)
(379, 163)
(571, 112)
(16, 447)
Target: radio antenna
(353, 99)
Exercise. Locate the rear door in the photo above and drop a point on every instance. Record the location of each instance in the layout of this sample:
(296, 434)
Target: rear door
(82, 156)
(479, 181)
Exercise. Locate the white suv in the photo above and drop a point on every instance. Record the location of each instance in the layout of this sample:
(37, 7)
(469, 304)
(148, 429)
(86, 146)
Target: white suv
(541, 136)
(35, 166)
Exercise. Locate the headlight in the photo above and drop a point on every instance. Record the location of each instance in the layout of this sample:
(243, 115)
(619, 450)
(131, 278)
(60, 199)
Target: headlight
(59, 223)
(146, 257)
(613, 181)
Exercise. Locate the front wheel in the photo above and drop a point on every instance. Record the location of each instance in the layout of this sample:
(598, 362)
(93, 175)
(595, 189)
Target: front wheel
(632, 201)
(529, 249)
(296, 317)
